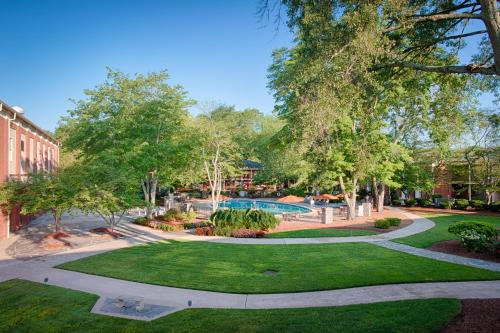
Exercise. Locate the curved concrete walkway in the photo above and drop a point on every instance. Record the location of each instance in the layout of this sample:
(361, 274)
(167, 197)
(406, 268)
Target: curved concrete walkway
(176, 299)
(419, 224)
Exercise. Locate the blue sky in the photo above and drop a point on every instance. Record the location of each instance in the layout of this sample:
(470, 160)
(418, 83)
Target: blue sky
(53, 50)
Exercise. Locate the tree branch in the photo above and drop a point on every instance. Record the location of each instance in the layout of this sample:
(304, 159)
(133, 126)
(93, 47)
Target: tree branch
(468, 69)
(438, 17)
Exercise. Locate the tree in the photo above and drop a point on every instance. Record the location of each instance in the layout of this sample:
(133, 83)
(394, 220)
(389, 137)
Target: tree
(220, 155)
(110, 205)
(54, 193)
(11, 192)
(424, 35)
(481, 144)
(138, 125)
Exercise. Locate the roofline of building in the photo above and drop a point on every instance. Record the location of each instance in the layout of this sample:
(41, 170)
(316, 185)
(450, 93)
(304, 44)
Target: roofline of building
(7, 108)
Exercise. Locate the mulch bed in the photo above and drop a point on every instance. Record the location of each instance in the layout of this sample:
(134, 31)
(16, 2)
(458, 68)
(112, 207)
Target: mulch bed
(450, 211)
(455, 247)
(478, 316)
(56, 235)
(106, 232)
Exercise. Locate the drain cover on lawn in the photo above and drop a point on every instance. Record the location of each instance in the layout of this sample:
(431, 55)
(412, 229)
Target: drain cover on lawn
(271, 272)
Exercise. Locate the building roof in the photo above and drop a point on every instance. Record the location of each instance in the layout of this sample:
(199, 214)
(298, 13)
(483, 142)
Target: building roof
(251, 164)
(8, 109)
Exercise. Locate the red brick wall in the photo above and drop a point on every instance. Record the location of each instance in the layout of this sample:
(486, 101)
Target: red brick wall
(3, 168)
(17, 220)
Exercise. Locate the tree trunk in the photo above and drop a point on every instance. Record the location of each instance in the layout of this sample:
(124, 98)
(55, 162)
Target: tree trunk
(349, 197)
(469, 187)
(57, 221)
(149, 189)
(379, 193)
(491, 19)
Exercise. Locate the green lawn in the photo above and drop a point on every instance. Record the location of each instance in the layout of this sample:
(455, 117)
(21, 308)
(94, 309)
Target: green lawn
(32, 307)
(239, 268)
(440, 232)
(322, 232)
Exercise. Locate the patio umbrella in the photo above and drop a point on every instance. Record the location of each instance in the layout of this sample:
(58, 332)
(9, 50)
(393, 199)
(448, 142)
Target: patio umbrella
(327, 197)
(291, 199)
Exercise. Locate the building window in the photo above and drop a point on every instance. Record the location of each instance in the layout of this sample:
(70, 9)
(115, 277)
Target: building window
(31, 156)
(12, 151)
(23, 154)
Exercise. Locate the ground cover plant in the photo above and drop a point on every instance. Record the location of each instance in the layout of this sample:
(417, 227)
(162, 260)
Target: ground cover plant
(440, 232)
(33, 307)
(203, 265)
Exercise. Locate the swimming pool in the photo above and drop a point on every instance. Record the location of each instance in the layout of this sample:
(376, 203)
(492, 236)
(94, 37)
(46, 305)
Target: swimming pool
(269, 206)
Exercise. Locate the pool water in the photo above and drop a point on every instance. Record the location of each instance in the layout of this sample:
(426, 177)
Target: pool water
(269, 206)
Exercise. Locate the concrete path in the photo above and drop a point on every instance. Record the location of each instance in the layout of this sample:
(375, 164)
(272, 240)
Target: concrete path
(39, 269)
(489, 265)
(420, 224)
(178, 299)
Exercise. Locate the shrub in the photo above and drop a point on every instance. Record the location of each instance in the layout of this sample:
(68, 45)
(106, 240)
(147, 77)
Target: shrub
(260, 220)
(437, 196)
(198, 225)
(161, 226)
(173, 214)
(260, 234)
(249, 219)
(222, 231)
(204, 231)
(188, 217)
(232, 218)
(477, 204)
(424, 202)
(446, 204)
(475, 236)
(142, 221)
(393, 221)
(244, 233)
(410, 202)
(397, 202)
(382, 224)
(495, 206)
(461, 203)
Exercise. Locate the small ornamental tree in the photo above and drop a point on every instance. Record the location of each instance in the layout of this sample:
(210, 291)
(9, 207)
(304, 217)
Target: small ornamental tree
(10, 196)
(107, 204)
(54, 193)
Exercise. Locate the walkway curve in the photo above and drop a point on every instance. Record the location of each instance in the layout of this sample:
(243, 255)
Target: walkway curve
(419, 224)
(42, 269)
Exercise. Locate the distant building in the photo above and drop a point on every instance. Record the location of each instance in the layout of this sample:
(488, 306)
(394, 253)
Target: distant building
(245, 180)
(24, 148)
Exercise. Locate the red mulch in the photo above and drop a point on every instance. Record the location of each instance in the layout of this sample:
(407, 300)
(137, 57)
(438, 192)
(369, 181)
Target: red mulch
(450, 211)
(478, 316)
(106, 232)
(56, 235)
(455, 247)
(55, 244)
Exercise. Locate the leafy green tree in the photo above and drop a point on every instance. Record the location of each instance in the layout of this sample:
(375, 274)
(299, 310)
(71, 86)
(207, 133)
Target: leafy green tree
(54, 193)
(219, 153)
(136, 124)
(424, 35)
(11, 192)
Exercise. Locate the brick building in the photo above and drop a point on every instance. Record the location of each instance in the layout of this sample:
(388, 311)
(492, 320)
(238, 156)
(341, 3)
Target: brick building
(24, 148)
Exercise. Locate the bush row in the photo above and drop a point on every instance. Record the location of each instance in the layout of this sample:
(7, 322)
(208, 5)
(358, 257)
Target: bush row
(448, 204)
